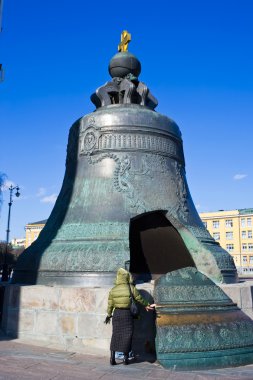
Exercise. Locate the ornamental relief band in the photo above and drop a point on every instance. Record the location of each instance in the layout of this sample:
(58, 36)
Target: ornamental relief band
(204, 337)
(93, 231)
(91, 141)
(193, 293)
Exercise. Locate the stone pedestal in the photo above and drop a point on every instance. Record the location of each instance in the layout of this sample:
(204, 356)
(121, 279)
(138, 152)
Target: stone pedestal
(241, 294)
(69, 318)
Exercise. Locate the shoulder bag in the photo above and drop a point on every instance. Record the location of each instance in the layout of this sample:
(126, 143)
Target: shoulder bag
(134, 310)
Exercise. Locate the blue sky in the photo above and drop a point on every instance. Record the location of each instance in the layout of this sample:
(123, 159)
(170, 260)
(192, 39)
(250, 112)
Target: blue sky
(197, 59)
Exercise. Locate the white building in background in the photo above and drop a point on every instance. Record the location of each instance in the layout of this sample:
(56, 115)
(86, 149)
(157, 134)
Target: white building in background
(18, 242)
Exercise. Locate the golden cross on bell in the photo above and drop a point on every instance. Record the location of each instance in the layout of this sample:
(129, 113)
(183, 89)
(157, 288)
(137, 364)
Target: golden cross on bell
(125, 39)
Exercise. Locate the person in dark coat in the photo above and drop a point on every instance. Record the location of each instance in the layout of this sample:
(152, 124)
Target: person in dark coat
(119, 301)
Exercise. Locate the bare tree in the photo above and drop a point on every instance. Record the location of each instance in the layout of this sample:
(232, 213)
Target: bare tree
(2, 181)
(9, 255)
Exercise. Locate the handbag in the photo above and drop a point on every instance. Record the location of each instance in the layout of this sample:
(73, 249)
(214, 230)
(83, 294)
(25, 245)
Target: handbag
(134, 310)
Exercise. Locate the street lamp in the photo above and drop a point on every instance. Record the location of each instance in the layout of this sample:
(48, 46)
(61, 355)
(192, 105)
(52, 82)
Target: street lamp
(5, 274)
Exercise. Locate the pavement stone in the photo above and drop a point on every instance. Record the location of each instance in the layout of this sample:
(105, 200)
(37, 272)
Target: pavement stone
(22, 361)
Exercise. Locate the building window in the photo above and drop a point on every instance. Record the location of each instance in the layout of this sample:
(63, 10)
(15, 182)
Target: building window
(243, 224)
(245, 269)
(244, 260)
(251, 259)
(244, 235)
(244, 247)
(216, 235)
(250, 247)
(230, 247)
(216, 224)
(249, 234)
(249, 223)
(229, 223)
(205, 224)
(229, 235)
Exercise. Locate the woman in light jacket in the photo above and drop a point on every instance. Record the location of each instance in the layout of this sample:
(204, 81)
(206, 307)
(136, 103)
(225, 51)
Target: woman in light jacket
(119, 302)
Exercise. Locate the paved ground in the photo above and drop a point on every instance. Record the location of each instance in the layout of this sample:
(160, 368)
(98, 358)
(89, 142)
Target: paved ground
(24, 361)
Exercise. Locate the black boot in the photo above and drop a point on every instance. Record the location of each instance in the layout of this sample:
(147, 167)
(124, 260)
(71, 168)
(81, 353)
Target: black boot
(125, 360)
(112, 358)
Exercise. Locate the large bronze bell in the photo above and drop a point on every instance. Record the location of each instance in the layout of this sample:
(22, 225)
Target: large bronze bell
(124, 196)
